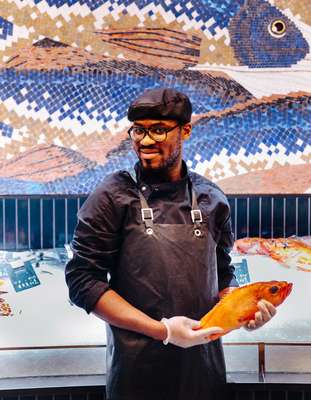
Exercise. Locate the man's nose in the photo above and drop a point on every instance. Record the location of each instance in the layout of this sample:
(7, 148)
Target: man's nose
(147, 141)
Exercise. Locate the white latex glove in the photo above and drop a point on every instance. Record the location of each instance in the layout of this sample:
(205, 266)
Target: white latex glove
(180, 332)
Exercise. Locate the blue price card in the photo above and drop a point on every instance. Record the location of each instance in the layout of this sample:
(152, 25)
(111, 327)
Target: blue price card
(22, 275)
(241, 272)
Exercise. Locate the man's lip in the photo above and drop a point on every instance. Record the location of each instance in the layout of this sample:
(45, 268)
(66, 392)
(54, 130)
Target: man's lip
(148, 154)
(148, 151)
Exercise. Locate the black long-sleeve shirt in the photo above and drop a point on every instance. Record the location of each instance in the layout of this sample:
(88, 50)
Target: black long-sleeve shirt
(115, 204)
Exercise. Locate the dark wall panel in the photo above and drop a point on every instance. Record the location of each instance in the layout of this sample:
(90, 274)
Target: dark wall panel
(50, 222)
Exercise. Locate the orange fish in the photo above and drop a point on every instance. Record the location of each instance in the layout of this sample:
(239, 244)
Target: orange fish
(249, 246)
(292, 252)
(239, 306)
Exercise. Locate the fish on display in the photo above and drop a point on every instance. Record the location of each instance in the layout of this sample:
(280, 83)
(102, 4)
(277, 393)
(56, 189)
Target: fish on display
(238, 307)
(249, 245)
(5, 309)
(292, 252)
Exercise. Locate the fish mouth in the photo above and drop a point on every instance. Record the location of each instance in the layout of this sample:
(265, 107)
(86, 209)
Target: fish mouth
(287, 290)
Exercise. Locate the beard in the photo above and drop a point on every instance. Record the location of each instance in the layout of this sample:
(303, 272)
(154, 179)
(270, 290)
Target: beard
(173, 159)
(161, 172)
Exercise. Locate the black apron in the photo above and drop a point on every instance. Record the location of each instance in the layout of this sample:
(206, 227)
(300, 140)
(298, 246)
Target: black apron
(165, 270)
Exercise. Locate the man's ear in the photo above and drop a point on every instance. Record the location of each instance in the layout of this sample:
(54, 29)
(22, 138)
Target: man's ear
(186, 131)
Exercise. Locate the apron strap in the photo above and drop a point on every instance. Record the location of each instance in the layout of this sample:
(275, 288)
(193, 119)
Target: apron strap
(147, 212)
(196, 214)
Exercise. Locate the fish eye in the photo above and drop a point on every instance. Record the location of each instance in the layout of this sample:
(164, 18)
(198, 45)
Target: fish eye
(274, 289)
(277, 28)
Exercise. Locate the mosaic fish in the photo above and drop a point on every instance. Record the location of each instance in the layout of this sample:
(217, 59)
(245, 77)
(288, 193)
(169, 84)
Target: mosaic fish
(275, 42)
(260, 34)
(238, 307)
(233, 34)
(291, 252)
(67, 91)
(257, 135)
(254, 136)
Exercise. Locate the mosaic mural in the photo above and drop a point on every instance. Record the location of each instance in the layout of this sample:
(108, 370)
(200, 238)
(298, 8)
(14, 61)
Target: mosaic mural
(69, 68)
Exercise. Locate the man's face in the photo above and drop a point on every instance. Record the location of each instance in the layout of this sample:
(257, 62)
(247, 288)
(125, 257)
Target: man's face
(161, 155)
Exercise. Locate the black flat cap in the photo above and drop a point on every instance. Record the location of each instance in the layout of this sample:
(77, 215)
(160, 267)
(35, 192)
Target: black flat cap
(163, 103)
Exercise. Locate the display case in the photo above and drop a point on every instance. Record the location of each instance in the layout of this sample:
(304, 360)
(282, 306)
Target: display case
(44, 334)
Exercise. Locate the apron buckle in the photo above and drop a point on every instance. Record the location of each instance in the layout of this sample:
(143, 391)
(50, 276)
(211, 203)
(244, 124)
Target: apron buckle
(196, 216)
(147, 214)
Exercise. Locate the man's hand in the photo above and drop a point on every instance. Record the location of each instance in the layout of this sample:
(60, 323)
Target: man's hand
(265, 313)
(180, 332)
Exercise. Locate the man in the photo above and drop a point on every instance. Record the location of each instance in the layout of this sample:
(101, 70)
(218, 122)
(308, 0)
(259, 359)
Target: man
(163, 235)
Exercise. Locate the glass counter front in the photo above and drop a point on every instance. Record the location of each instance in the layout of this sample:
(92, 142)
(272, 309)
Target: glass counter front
(43, 333)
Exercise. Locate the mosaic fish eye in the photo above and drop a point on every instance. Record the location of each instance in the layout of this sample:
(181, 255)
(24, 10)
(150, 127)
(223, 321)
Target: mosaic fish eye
(274, 289)
(277, 28)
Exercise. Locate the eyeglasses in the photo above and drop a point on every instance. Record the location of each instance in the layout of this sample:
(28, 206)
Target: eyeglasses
(156, 133)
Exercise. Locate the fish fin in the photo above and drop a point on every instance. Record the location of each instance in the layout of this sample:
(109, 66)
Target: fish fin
(154, 44)
(215, 336)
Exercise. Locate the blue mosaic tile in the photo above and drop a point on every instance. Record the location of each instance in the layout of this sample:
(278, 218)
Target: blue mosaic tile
(232, 137)
(5, 130)
(201, 144)
(114, 94)
(219, 10)
(6, 29)
(101, 92)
